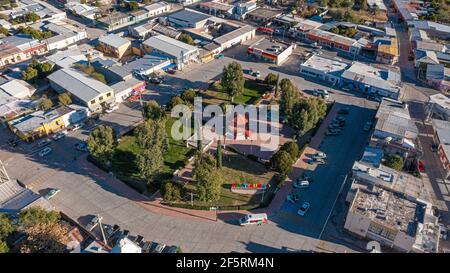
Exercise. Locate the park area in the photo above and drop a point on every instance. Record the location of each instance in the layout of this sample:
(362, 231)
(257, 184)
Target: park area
(124, 159)
(253, 91)
(237, 169)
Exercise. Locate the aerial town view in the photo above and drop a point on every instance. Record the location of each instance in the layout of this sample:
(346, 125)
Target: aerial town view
(224, 126)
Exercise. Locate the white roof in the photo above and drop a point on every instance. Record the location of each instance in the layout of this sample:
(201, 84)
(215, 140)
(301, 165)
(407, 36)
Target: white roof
(169, 46)
(16, 89)
(440, 100)
(326, 65)
(114, 40)
(125, 245)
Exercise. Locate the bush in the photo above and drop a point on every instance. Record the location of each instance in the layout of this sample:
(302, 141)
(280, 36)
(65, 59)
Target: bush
(171, 191)
(395, 162)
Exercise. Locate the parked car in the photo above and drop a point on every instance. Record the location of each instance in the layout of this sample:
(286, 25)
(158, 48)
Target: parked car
(51, 193)
(172, 249)
(172, 71)
(81, 146)
(293, 197)
(321, 93)
(301, 184)
(307, 177)
(420, 166)
(318, 161)
(333, 132)
(303, 209)
(77, 126)
(44, 142)
(45, 151)
(340, 119)
(59, 135)
(219, 56)
(93, 223)
(155, 80)
(367, 126)
(319, 155)
(159, 248)
(434, 147)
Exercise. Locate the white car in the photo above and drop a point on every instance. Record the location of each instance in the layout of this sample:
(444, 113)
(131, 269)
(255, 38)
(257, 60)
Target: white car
(303, 209)
(45, 151)
(77, 126)
(44, 142)
(52, 193)
(301, 184)
(319, 155)
(59, 135)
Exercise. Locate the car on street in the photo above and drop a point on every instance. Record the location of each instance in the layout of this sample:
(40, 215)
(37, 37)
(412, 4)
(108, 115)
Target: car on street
(367, 126)
(77, 126)
(59, 135)
(293, 197)
(420, 166)
(307, 177)
(44, 142)
(155, 80)
(317, 161)
(51, 193)
(321, 93)
(340, 119)
(172, 249)
(434, 147)
(301, 184)
(81, 146)
(333, 132)
(334, 126)
(304, 208)
(172, 71)
(45, 151)
(319, 155)
(219, 56)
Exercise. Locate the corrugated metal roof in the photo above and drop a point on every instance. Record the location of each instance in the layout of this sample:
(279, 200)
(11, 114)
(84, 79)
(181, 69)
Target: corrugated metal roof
(114, 40)
(169, 46)
(81, 86)
(234, 34)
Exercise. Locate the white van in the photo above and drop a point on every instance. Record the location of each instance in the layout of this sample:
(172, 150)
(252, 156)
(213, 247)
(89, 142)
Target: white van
(249, 219)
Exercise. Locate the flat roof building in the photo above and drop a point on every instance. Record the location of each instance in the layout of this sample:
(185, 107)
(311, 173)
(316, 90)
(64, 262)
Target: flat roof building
(371, 80)
(114, 45)
(323, 68)
(188, 18)
(442, 138)
(440, 106)
(270, 51)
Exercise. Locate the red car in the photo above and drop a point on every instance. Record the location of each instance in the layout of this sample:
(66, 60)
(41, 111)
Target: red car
(420, 166)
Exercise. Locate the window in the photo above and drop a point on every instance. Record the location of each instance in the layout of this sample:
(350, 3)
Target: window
(108, 95)
(100, 98)
(92, 102)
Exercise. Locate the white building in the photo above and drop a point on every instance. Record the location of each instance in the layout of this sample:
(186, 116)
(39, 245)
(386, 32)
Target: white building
(158, 8)
(323, 68)
(236, 37)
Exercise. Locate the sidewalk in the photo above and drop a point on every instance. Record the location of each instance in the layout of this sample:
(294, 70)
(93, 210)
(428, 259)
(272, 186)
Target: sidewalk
(152, 204)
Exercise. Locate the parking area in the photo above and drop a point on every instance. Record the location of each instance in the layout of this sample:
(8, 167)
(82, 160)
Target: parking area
(327, 179)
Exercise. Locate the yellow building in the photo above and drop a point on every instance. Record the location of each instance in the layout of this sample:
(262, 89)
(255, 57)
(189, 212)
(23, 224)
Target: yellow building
(114, 45)
(388, 52)
(41, 123)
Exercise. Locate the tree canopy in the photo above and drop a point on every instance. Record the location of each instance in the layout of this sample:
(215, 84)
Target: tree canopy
(395, 162)
(186, 38)
(65, 98)
(45, 104)
(282, 162)
(101, 144)
(152, 110)
(232, 80)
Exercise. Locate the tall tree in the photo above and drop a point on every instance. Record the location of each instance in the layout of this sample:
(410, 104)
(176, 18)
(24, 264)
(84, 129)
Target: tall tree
(150, 162)
(289, 97)
(152, 133)
(152, 110)
(219, 154)
(232, 80)
(209, 186)
(186, 38)
(271, 79)
(101, 144)
(30, 74)
(282, 162)
(45, 104)
(277, 85)
(35, 215)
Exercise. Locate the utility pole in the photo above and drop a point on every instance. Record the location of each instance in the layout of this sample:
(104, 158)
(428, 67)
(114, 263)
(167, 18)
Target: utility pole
(101, 229)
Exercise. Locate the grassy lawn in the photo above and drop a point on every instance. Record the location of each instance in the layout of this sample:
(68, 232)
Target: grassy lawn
(252, 92)
(127, 150)
(239, 169)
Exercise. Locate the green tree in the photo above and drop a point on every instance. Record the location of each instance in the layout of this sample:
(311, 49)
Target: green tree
(45, 238)
(152, 133)
(30, 74)
(150, 162)
(131, 6)
(233, 81)
(282, 162)
(44, 69)
(395, 162)
(6, 228)
(203, 165)
(99, 77)
(291, 148)
(174, 101)
(271, 79)
(31, 17)
(209, 186)
(45, 104)
(65, 98)
(186, 38)
(219, 154)
(152, 110)
(289, 97)
(307, 113)
(189, 96)
(35, 215)
(170, 191)
(101, 144)
(4, 31)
